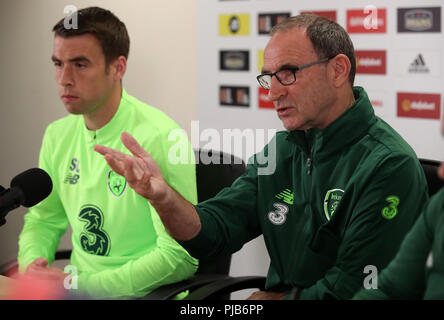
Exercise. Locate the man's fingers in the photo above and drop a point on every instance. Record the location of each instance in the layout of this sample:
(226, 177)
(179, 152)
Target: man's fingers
(37, 265)
(117, 166)
(117, 155)
(133, 170)
(132, 145)
(114, 158)
(100, 149)
(41, 262)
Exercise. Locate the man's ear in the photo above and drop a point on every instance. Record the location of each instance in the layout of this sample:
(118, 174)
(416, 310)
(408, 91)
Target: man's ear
(119, 66)
(338, 70)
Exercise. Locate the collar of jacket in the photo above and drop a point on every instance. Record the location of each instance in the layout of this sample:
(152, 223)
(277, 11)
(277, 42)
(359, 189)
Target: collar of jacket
(109, 131)
(350, 126)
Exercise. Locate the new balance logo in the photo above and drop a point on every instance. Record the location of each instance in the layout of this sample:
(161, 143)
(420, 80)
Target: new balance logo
(418, 65)
(73, 176)
(287, 196)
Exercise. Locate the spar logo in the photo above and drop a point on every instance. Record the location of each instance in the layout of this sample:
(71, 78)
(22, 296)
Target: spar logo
(367, 20)
(371, 61)
(426, 19)
(419, 105)
(264, 100)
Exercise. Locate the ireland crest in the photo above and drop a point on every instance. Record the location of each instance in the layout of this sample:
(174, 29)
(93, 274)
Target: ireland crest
(116, 184)
(331, 201)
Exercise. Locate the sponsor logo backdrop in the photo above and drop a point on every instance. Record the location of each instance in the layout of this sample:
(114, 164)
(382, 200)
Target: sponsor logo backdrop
(399, 47)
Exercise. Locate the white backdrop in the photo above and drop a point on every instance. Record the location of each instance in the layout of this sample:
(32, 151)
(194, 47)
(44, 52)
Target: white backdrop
(421, 52)
(402, 49)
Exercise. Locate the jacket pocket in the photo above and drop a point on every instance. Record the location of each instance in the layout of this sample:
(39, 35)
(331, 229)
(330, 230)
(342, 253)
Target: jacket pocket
(318, 257)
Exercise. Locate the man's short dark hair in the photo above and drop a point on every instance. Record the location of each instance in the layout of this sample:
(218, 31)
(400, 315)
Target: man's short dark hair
(104, 25)
(327, 37)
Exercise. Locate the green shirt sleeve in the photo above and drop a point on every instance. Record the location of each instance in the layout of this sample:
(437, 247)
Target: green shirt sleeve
(45, 223)
(404, 277)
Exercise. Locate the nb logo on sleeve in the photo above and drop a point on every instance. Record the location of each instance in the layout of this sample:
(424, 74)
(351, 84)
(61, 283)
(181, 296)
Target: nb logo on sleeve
(73, 175)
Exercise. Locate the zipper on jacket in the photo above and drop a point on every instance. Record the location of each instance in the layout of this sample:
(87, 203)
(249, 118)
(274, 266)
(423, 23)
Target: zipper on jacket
(310, 161)
(309, 165)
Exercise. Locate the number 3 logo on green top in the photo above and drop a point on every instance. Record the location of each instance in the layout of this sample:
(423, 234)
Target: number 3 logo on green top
(94, 239)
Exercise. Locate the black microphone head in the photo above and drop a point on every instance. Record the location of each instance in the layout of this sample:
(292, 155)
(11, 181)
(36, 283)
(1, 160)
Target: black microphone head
(35, 185)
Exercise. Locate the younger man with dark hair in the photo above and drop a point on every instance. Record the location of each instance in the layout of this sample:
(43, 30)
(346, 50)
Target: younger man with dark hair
(120, 247)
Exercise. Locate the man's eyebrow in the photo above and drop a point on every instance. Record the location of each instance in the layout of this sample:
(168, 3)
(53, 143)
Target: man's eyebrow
(76, 59)
(288, 66)
(283, 67)
(79, 59)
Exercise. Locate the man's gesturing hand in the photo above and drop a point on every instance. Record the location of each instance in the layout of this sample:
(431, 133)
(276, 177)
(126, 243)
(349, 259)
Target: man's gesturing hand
(143, 175)
(140, 170)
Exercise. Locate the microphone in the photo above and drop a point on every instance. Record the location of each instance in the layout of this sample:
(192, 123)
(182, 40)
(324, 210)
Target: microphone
(27, 189)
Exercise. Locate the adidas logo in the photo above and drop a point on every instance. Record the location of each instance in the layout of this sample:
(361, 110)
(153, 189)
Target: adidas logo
(418, 65)
(286, 196)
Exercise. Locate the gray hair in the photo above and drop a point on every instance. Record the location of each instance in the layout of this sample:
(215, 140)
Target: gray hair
(327, 37)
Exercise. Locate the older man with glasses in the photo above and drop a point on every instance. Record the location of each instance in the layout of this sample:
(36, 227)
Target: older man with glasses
(345, 191)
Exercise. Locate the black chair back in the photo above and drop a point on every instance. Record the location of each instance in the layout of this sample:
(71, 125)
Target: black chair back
(430, 168)
(210, 179)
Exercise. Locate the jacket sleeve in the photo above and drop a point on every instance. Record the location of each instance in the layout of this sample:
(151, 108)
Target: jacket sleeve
(229, 219)
(404, 277)
(384, 210)
(46, 222)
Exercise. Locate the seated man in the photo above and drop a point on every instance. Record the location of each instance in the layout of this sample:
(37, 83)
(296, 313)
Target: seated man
(120, 246)
(346, 188)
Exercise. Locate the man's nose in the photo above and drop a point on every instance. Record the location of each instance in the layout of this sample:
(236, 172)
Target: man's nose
(276, 90)
(65, 76)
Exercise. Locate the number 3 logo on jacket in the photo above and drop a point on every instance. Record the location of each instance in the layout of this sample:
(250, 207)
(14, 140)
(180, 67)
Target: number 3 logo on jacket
(279, 215)
(391, 210)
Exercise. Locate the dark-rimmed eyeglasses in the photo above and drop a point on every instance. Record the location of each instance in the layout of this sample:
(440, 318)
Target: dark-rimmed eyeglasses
(285, 76)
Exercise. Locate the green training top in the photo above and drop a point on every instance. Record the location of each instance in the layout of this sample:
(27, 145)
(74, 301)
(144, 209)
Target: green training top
(120, 246)
(417, 271)
(341, 199)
